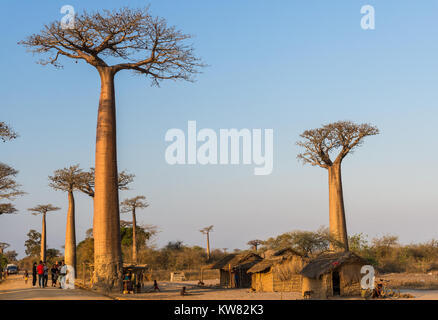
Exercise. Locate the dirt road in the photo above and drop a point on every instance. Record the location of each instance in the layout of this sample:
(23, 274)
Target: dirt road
(14, 288)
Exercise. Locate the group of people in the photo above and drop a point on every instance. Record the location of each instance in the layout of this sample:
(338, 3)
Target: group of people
(41, 271)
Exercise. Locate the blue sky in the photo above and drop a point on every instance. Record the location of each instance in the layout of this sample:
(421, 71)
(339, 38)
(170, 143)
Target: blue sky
(286, 65)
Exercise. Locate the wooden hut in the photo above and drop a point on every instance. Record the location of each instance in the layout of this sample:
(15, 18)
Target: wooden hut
(233, 269)
(138, 275)
(333, 274)
(279, 272)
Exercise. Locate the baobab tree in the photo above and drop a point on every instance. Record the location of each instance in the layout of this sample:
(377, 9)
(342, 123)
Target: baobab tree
(341, 137)
(9, 188)
(43, 209)
(130, 206)
(3, 246)
(133, 40)
(255, 244)
(207, 231)
(68, 180)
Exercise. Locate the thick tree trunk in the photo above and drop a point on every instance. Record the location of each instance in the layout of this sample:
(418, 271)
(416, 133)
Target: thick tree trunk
(338, 226)
(208, 246)
(43, 240)
(134, 238)
(70, 233)
(106, 222)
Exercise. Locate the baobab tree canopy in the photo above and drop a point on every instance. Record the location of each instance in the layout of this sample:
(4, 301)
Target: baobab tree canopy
(9, 188)
(43, 208)
(131, 37)
(133, 203)
(6, 133)
(87, 185)
(342, 136)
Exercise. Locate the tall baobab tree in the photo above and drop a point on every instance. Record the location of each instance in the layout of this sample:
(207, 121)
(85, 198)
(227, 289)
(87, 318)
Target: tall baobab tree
(255, 244)
(68, 180)
(131, 205)
(207, 231)
(341, 137)
(140, 43)
(43, 209)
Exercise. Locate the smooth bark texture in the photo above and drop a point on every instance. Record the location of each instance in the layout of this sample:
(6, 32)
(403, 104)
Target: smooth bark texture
(106, 223)
(208, 245)
(43, 239)
(134, 238)
(338, 225)
(70, 234)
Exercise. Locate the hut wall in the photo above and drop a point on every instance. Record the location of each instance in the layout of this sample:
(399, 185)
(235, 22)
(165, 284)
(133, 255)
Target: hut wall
(293, 284)
(262, 281)
(224, 278)
(350, 279)
(321, 288)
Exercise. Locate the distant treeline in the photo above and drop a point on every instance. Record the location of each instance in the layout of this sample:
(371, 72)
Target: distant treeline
(385, 253)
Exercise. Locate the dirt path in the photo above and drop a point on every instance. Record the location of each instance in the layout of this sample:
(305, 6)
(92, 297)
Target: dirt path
(14, 288)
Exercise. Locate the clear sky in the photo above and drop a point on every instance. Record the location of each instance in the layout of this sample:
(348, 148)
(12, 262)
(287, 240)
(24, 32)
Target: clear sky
(286, 65)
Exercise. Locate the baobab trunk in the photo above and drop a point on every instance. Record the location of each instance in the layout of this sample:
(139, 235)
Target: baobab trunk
(338, 226)
(208, 245)
(134, 238)
(106, 221)
(43, 239)
(70, 234)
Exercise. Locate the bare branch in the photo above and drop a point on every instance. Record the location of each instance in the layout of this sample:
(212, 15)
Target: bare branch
(144, 44)
(320, 143)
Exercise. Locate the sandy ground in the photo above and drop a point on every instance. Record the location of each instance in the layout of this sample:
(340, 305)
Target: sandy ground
(14, 288)
(171, 291)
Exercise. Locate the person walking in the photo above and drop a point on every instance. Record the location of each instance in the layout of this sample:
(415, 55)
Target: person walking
(34, 274)
(54, 272)
(62, 274)
(40, 271)
(46, 275)
(156, 286)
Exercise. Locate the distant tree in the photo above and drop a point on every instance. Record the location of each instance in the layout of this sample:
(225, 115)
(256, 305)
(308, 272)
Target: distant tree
(68, 180)
(306, 243)
(33, 243)
(52, 254)
(384, 245)
(254, 244)
(43, 209)
(9, 188)
(131, 206)
(11, 255)
(207, 231)
(319, 144)
(174, 245)
(133, 40)
(3, 246)
(358, 243)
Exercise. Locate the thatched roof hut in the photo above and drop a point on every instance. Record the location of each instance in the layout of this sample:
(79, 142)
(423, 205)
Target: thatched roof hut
(233, 269)
(279, 272)
(333, 274)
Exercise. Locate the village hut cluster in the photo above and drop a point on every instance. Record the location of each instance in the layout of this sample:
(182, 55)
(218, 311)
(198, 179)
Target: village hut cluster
(328, 275)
